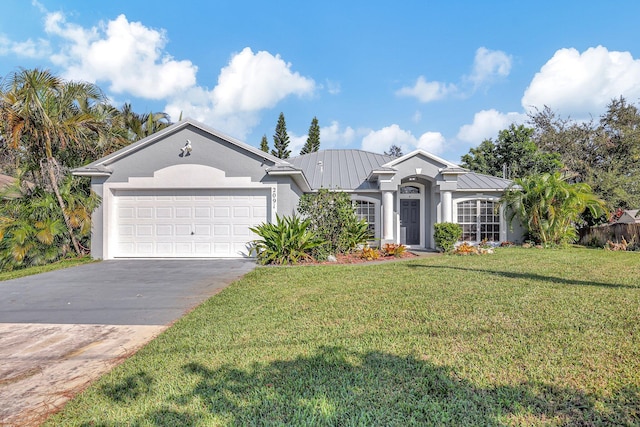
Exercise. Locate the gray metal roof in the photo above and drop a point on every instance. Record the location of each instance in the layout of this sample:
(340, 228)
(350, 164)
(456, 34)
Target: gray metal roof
(340, 169)
(478, 181)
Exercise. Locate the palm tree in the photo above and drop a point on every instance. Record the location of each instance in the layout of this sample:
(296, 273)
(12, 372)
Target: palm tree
(43, 115)
(549, 206)
(137, 126)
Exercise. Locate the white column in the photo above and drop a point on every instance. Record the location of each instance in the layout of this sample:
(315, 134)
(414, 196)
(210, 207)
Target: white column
(387, 213)
(445, 204)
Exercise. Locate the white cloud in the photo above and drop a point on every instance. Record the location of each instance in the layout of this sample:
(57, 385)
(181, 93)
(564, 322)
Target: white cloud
(127, 55)
(334, 88)
(248, 84)
(489, 64)
(334, 136)
(426, 91)
(579, 84)
(253, 82)
(486, 124)
(432, 142)
(296, 142)
(379, 141)
(29, 48)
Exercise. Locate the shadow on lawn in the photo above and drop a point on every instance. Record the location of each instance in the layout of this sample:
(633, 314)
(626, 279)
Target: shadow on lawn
(527, 276)
(339, 387)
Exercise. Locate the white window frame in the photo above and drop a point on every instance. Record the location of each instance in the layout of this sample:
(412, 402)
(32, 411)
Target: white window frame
(478, 199)
(355, 199)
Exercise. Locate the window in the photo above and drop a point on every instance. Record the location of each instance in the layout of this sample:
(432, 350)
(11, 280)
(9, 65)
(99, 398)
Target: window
(409, 189)
(367, 211)
(480, 220)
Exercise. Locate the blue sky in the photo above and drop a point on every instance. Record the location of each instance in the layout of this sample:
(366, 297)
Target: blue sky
(441, 76)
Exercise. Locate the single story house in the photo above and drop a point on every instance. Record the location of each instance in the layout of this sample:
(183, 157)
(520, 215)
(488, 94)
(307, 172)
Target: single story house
(191, 191)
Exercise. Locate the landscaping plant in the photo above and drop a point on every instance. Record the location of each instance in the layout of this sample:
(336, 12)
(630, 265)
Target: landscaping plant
(393, 249)
(332, 217)
(32, 228)
(288, 241)
(446, 234)
(549, 206)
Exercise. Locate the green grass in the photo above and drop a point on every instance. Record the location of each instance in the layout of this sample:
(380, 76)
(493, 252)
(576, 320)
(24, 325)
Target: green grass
(15, 274)
(522, 337)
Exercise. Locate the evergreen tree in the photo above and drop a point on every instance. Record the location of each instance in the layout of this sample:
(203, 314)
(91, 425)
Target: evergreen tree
(264, 144)
(281, 140)
(313, 140)
(513, 155)
(394, 151)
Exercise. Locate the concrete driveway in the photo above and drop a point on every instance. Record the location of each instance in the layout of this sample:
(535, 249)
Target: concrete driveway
(60, 331)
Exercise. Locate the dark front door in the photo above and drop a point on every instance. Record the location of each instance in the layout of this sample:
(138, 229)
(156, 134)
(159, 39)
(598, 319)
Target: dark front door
(410, 220)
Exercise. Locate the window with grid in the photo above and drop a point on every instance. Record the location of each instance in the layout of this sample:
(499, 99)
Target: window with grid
(367, 211)
(480, 220)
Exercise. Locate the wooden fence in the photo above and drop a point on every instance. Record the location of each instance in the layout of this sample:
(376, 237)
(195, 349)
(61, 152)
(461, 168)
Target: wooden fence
(600, 235)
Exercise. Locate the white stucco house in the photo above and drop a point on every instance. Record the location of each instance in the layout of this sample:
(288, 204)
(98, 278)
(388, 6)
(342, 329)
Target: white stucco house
(191, 191)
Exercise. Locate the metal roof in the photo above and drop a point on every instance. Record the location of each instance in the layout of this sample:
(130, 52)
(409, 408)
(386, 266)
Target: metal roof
(340, 169)
(478, 181)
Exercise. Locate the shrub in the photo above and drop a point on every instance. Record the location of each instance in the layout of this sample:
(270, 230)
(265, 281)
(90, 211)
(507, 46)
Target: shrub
(32, 229)
(288, 241)
(356, 233)
(446, 234)
(393, 249)
(332, 217)
(466, 249)
(370, 254)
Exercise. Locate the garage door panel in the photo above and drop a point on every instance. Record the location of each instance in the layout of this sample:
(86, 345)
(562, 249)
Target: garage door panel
(187, 223)
(183, 212)
(144, 230)
(126, 212)
(203, 230)
(202, 212)
(164, 230)
(183, 230)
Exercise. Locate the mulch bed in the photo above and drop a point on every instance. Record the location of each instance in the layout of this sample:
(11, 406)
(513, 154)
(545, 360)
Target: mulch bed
(354, 258)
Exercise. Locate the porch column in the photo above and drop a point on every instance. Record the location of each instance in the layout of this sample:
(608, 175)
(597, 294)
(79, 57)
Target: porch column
(387, 213)
(445, 204)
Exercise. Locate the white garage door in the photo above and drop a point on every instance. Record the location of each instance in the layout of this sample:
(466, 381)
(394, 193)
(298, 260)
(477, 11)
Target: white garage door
(187, 223)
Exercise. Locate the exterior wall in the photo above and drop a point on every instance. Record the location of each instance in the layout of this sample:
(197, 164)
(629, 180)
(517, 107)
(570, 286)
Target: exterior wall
(207, 150)
(97, 220)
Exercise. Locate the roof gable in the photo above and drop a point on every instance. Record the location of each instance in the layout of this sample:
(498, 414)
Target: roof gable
(419, 152)
(101, 165)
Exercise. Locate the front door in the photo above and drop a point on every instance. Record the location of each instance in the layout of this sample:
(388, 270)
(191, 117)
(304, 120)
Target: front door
(410, 220)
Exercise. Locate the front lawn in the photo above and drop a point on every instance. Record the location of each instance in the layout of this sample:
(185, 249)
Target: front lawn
(522, 337)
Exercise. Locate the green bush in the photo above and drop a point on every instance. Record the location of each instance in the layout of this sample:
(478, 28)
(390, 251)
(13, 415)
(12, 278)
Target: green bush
(32, 229)
(333, 219)
(288, 241)
(446, 234)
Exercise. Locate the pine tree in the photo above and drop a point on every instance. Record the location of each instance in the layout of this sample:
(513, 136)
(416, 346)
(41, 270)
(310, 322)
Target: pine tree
(313, 140)
(281, 139)
(264, 144)
(394, 151)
